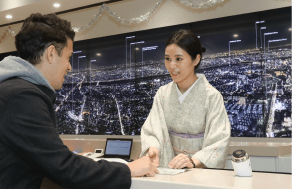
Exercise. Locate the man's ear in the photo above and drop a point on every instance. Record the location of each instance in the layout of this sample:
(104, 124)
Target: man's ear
(50, 53)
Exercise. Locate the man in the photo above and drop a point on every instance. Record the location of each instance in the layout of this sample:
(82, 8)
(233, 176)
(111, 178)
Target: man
(30, 147)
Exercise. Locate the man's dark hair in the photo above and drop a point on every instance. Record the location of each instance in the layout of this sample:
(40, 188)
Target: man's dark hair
(189, 42)
(38, 32)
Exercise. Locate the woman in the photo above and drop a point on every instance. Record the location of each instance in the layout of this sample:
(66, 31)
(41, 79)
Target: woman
(188, 125)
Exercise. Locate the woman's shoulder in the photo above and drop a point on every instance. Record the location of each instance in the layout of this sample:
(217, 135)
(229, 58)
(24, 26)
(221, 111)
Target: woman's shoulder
(207, 87)
(166, 89)
(167, 86)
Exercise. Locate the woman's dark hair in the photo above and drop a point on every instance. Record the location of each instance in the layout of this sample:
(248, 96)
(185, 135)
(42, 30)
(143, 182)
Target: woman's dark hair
(39, 32)
(189, 42)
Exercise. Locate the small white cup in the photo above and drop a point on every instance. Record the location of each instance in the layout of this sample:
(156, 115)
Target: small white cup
(241, 163)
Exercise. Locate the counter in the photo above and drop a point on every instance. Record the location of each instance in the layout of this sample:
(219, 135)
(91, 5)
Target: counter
(265, 156)
(213, 179)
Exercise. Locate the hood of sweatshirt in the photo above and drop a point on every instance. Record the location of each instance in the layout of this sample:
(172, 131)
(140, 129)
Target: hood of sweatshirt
(12, 66)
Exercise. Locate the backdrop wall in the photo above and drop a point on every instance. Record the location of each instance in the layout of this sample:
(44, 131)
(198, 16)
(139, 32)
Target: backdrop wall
(170, 12)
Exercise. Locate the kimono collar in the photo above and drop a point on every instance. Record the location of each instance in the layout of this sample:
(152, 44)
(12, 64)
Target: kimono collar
(181, 96)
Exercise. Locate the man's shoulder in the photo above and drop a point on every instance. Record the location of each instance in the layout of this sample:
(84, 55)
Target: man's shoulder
(14, 85)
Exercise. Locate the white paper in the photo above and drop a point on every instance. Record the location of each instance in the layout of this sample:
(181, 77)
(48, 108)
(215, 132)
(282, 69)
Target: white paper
(168, 171)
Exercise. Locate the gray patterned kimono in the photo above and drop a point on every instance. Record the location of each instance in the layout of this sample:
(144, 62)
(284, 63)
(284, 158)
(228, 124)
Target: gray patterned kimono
(201, 115)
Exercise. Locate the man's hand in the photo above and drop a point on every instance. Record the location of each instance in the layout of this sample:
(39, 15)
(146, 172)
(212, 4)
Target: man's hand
(142, 167)
(180, 161)
(153, 154)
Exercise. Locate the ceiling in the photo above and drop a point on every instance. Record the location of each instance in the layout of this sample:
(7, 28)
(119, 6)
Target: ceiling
(20, 9)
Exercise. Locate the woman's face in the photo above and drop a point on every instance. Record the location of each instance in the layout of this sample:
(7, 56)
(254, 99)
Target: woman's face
(179, 63)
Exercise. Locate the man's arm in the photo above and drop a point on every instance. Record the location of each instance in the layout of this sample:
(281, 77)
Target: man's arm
(28, 128)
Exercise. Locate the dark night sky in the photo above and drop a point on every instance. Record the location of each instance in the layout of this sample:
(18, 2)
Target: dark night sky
(214, 35)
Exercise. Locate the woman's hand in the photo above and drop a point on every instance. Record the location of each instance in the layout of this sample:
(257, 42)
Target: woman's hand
(153, 154)
(180, 161)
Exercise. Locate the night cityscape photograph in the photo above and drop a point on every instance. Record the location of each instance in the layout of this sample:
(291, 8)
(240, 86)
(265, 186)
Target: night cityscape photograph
(113, 81)
(248, 59)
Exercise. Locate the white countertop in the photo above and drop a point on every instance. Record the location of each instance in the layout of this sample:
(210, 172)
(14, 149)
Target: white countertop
(212, 178)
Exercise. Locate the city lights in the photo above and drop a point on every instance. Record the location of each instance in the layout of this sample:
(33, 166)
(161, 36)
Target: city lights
(146, 49)
(262, 28)
(135, 43)
(275, 40)
(257, 22)
(130, 37)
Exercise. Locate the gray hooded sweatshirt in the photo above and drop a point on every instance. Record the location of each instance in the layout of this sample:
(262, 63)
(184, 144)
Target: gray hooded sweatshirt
(12, 66)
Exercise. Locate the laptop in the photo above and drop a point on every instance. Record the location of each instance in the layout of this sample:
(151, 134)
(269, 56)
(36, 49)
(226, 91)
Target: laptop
(118, 148)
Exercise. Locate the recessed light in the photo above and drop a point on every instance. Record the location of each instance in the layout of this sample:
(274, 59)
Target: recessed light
(235, 35)
(137, 49)
(98, 54)
(9, 16)
(290, 29)
(56, 5)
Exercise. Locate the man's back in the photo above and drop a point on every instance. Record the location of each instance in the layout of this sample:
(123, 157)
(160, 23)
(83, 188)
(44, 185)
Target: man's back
(18, 171)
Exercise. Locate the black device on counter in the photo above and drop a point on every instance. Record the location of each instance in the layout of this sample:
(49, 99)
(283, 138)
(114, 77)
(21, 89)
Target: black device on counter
(118, 148)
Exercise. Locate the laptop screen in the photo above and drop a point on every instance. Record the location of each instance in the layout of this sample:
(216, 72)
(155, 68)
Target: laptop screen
(118, 148)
